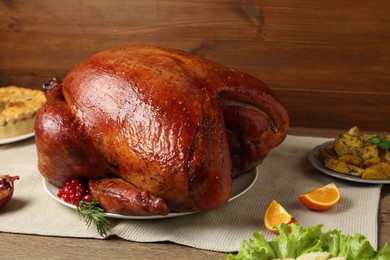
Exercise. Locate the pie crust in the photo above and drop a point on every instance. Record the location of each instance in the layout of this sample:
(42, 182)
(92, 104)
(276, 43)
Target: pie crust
(18, 107)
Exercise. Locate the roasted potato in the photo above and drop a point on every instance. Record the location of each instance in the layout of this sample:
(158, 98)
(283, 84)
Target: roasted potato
(370, 155)
(355, 131)
(366, 156)
(386, 157)
(347, 144)
(351, 159)
(342, 167)
(379, 171)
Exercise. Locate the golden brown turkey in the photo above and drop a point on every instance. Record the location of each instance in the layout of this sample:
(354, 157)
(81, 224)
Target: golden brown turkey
(156, 130)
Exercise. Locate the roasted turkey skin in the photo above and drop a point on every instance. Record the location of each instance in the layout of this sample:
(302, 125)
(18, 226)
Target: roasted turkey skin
(171, 124)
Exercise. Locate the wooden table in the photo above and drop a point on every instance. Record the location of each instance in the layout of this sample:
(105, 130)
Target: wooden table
(309, 52)
(17, 246)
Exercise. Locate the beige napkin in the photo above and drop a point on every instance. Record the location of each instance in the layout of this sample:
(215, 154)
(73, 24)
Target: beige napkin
(284, 175)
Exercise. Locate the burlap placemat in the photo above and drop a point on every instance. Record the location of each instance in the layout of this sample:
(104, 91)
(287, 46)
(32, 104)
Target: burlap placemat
(284, 175)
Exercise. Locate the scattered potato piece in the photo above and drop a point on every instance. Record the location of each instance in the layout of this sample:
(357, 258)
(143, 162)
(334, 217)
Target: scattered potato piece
(347, 144)
(379, 171)
(369, 152)
(355, 131)
(342, 167)
(327, 153)
(370, 162)
(386, 157)
(351, 159)
(370, 155)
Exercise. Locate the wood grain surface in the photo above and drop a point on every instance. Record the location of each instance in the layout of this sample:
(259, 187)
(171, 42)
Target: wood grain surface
(328, 61)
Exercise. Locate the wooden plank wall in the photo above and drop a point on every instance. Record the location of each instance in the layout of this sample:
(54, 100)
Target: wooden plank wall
(328, 61)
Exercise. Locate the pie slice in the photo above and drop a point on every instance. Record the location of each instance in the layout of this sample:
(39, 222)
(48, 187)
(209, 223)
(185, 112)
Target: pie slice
(18, 107)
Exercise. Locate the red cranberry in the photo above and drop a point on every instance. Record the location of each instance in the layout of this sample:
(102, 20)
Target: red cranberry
(73, 191)
(88, 198)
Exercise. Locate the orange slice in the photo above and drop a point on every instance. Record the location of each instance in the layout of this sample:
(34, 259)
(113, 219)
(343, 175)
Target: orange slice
(276, 214)
(321, 198)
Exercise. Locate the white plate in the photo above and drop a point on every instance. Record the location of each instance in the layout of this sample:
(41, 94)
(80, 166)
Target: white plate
(313, 158)
(16, 138)
(240, 185)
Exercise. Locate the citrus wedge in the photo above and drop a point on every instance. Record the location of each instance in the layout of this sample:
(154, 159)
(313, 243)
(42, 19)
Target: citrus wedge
(321, 198)
(276, 214)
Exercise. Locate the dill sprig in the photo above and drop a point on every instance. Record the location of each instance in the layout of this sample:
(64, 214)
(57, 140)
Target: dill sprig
(92, 213)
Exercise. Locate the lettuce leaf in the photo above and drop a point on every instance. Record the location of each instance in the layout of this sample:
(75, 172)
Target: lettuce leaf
(295, 240)
(383, 253)
(256, 248)
(356, 247)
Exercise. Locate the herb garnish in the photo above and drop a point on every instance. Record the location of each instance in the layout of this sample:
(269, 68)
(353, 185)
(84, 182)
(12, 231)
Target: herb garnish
(92, 213)
(380, 142)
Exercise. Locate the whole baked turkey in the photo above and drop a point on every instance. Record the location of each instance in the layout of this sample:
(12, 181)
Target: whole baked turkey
(156, 130)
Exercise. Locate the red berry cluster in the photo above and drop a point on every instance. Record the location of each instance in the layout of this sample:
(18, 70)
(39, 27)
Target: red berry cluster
(73, 191)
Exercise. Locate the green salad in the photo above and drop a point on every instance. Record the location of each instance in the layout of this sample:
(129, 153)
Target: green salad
(294, 240)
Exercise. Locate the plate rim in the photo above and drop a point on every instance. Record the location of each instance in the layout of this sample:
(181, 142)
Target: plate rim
(16, 138)
(252, 178)
(317, 164)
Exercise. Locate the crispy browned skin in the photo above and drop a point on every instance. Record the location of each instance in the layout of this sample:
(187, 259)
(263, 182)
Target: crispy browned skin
(115, 195)
(63, 153)
(160, 119)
